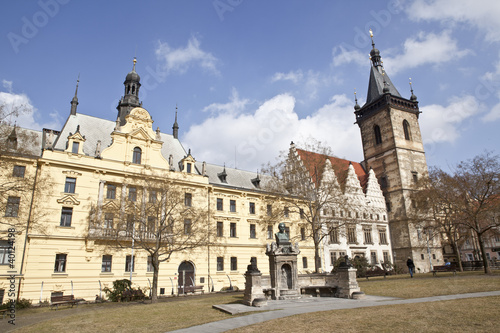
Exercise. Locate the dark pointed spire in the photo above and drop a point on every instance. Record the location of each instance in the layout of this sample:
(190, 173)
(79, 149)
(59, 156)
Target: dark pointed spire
(175, 128)
(413, 98)
(375, 53)
(356, 106)
(130, 99)
(74, 101)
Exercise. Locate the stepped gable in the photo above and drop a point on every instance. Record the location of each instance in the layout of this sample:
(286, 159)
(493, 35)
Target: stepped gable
(341, 166)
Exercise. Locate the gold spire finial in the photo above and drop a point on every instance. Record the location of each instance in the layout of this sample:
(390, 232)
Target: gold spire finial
(135, 60)
(371, 33)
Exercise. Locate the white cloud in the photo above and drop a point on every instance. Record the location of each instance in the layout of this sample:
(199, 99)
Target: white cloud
(17, 108)
(490, 85)
(425, 48)
(341, 56)
(294, 76)
(7, 85)
(493, 115)
(234, 106)
(258, 137)
(482, 14)
(180, 59)
(442, 123)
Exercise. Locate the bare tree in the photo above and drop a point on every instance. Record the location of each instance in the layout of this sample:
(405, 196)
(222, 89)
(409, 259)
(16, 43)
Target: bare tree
(468, 199)
(307, 187)
(162, 219)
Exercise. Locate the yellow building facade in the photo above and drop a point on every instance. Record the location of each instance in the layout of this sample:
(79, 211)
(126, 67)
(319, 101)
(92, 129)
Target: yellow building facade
(64, 243)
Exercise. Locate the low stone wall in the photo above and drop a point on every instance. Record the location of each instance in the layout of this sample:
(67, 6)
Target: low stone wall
(343, 281)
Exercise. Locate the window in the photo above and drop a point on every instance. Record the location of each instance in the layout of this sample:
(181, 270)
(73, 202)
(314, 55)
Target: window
(251, 208)
(422, 256)
(383, 236)
(220, 263)
(287, 232)
(386, 257)
(368, 235)
(188, 199)
(220, 205)
(129, 263)
(334, 235)
(106, 263)
(434, 255)
(12, 207)
(187, 226)
(150, 264)
(286, 212)
(269, 232)
(302, 216)
(108, 220)
(378, 135)
(60, 266)
(415, 176)
(232, 229)
(132, 194)
(19, 171)
(302, 233)
(406, 129)
(252, 231)
(304, 262)
(151, 227)
(383, 182)
(220, 229)
(373, 257)
(66, 215)
(75, 147)
(69, 186)
(234, 263)
(232, 206)
(152, 196)
(4, 252)
(351, 234)
(111, 191)
(333, 258)
(188, 167)
(388, 206)
(269, 210)
(130, 222)
(137, 155)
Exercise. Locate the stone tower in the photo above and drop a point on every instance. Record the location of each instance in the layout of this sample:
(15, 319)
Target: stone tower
(130, 99)
(393, 148)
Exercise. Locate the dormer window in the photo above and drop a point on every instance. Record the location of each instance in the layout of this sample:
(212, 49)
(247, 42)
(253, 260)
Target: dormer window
(75, 147)
(188, 167)
(256, 182)
(137, 155)
(222, 176)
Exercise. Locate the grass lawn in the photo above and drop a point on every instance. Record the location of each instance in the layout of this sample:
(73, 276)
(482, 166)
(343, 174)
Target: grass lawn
(461, 315)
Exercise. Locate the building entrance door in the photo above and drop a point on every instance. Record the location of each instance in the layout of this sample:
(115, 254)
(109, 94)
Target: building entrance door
(185, 276)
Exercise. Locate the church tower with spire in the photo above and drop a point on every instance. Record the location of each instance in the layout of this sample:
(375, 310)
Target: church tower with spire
(393, 148)
(130, 99)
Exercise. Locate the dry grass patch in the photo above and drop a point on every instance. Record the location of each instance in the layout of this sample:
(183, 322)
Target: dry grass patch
(160, 317)
(465, 315)
(424, 285)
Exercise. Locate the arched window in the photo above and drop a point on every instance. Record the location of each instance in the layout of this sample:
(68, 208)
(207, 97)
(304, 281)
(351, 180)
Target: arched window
(406, 128)
(136, 158)
(378, 136)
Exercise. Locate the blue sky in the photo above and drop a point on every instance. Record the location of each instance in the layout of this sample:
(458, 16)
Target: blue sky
(248, 77)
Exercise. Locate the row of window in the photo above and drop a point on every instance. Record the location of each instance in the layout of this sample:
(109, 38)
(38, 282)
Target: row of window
(340, 213)
(252, 208)
(234, 263)
(253, 230)
(352, 236)
(335, 255)
(378, 134)
(106, 265)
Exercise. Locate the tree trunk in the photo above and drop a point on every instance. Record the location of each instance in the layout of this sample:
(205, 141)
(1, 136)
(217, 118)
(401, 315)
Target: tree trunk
(486, 265)
(154, 287)
(456, 250)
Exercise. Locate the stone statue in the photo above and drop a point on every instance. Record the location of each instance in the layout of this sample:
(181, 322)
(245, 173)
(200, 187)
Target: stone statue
(252, 268)
(158, 134)
(171, 162)
(98, 149)
(49, 140)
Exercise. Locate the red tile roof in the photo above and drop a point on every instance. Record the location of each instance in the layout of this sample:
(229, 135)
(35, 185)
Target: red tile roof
(316, 161)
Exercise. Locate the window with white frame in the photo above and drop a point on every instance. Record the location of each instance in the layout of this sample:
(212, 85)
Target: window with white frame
(60, 264)
(106, 263)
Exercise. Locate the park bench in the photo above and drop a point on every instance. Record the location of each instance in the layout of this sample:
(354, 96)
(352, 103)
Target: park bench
(318, 291)
(376, 271)
(445, 268)
(55, 301)
(132, 295)
(193, 289)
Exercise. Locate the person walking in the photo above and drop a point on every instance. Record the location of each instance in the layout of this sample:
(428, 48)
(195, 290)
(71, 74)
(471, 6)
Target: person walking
(411, 266)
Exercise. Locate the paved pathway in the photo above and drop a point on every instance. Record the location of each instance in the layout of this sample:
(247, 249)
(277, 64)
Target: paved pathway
(313, 304)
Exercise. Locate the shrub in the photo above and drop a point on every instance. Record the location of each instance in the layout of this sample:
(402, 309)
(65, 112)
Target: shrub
(119, 286)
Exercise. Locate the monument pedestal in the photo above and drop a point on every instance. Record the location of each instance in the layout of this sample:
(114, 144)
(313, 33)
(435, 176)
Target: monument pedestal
(283, 271)
(347, 283)
(253, 288)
